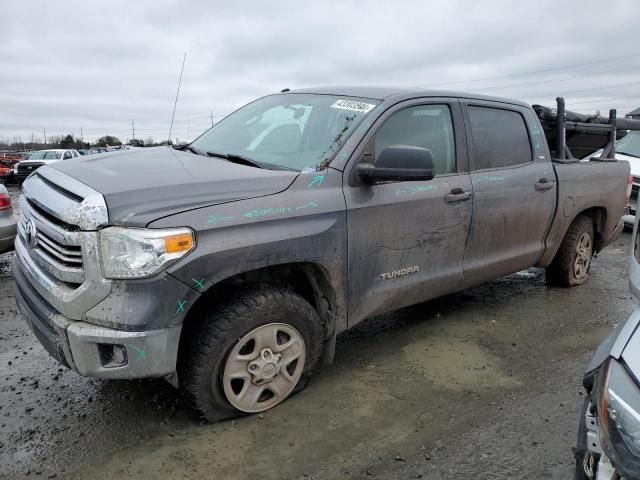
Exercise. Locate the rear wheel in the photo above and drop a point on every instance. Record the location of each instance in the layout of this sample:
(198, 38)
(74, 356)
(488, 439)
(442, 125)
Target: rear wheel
(572, 262)
(249, 353)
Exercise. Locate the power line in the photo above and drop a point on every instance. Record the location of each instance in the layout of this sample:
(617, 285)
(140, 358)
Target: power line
(533, 72)
(555, 80)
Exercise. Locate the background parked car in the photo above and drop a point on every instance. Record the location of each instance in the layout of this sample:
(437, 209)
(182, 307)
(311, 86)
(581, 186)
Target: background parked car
(7, 162)
(628, 148)
(37, 159)
(94, 150)
(7, 221)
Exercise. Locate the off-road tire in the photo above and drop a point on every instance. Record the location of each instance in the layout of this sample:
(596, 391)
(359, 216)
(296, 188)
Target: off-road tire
(209, 337)
(561, 271)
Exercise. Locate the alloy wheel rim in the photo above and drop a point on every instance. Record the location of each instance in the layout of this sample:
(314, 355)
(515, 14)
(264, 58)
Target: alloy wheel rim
(264, 367)
(584, 252)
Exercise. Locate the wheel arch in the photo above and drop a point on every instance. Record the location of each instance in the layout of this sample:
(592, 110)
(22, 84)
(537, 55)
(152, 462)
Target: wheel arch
(310, 280)
(597, 214)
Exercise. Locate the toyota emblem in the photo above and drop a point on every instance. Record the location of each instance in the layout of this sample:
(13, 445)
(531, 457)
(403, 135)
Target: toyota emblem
(30, 233)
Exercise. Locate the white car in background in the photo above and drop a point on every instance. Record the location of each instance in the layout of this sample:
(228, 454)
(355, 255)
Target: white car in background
(22, 170)
(628, 148)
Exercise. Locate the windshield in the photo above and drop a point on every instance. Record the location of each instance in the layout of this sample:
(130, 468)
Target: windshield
(629, 145)
(292, 131)
(45, 155)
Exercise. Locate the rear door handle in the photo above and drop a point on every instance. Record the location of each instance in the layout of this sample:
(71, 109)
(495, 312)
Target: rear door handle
(457, 195)
(544, 184)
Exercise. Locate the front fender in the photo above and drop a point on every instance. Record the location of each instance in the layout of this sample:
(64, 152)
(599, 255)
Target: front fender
(304, 224)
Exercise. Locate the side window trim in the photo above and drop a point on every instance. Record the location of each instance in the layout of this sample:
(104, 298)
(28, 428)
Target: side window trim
(470, 145)
(459, 132)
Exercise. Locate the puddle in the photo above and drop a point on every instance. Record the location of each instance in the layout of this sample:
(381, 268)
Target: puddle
(588, 339)
(457, 365)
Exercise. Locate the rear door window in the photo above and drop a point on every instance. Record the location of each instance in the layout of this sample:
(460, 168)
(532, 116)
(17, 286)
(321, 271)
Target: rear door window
(500, 137)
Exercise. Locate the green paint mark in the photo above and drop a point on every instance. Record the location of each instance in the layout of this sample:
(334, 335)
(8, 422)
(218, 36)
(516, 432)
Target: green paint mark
(199, 283)
(181, 304)
(489, 179)
(316, 181)
(141, 352)
(265, 212)
(421, 188)
(212, 220)
(308, 205)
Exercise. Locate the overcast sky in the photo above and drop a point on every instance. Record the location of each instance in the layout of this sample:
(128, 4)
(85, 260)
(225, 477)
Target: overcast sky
(97, 65)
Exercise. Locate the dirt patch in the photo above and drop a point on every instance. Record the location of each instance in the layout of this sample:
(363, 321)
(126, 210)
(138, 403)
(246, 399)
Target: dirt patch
(481, 384)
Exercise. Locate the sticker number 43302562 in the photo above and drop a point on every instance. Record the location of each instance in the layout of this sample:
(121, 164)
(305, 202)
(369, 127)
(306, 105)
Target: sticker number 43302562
(353, 106)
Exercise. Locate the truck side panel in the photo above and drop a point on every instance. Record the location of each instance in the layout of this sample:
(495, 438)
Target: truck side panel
(582, 186)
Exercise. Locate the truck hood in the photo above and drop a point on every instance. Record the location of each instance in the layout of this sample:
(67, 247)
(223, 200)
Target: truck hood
(140, 186)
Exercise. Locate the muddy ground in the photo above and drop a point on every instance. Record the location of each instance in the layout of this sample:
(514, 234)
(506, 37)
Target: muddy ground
(481, 384)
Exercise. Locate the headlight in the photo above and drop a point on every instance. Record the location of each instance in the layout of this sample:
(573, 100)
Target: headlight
(141, 252)
(619, 415)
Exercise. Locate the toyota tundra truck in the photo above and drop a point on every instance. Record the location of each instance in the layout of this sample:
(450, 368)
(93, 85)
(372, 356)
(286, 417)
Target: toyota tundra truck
(229, 265)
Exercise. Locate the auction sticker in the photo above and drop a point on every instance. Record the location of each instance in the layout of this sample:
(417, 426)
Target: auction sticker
(353, 106)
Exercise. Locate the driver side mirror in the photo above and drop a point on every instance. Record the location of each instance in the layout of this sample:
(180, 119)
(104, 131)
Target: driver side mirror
(398, 163)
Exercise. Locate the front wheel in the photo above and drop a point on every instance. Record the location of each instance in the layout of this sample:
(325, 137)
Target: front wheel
(585, 460)
(250, 352)
(572, 262)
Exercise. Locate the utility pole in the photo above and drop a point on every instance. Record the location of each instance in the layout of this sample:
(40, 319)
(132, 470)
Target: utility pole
(44, 131)
(212, 118)
(82, 137)
(133, 131)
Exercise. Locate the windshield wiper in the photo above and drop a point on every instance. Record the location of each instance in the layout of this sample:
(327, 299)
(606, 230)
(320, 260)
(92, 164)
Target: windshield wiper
(234, 158)
(628, 154)
(187, 147)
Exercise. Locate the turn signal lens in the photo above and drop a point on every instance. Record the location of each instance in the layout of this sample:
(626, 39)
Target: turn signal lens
(178, 243)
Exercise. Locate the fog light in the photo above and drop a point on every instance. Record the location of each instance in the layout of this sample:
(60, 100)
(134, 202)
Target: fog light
(112, 355)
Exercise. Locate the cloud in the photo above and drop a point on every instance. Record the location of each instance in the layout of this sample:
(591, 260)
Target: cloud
(99, 65)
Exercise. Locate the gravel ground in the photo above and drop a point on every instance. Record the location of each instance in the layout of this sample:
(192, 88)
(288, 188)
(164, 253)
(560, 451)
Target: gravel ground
(483, 384)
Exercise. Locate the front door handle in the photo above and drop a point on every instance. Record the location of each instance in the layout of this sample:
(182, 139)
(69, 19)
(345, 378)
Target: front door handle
(544, 184)
(457, 195)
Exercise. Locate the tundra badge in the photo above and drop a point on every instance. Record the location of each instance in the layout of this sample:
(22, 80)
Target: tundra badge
(400, 273)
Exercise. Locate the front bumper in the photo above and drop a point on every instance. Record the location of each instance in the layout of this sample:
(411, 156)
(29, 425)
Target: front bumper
(629, 220)
(93, 350)
(615, 235)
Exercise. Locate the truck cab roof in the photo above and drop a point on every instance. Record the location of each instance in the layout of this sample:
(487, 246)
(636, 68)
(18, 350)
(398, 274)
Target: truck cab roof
(399, 93)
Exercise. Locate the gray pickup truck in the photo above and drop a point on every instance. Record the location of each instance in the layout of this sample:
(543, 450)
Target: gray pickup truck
(229, 265)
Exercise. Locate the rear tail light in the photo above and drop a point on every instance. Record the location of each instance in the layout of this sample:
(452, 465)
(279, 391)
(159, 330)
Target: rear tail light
(629, 187)
(5, 201)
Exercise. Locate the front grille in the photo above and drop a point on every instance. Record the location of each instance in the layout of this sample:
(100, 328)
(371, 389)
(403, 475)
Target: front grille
(57, 242)
(27, 169)
(635, 189)
(56, 248)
